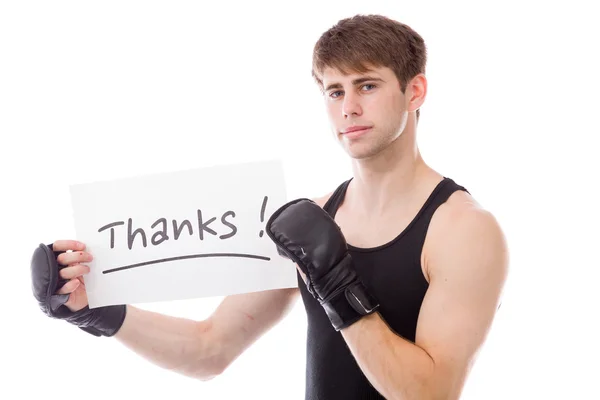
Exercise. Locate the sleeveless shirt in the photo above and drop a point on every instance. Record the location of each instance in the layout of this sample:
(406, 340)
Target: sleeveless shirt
(392, 272)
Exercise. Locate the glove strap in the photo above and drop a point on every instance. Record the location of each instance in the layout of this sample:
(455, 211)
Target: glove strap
(349, 305)
(101, 321)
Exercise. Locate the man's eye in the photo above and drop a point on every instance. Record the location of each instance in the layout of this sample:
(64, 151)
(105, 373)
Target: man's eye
(369, 84)
(335, 94)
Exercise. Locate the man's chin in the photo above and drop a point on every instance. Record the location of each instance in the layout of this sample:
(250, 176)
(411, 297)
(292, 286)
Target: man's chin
(362, 153)
(365, 150)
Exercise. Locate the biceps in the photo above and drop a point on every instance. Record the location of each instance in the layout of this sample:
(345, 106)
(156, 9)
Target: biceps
(454, 321)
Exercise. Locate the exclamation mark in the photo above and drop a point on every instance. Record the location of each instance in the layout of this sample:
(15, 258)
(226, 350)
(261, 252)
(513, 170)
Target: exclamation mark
(262, 214)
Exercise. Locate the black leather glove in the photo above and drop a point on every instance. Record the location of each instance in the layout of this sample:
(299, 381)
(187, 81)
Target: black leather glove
(307, 234)
(101, 321)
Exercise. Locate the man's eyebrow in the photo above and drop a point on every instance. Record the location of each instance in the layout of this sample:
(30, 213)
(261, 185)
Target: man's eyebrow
(355, 82)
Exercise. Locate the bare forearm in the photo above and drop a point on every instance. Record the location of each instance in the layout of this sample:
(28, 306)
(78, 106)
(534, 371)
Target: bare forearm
(397, 368)
(173, 343)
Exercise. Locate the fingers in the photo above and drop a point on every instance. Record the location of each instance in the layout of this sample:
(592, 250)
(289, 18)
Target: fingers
(69, 287)
(74, 257)
(64, 245)
(74, 271)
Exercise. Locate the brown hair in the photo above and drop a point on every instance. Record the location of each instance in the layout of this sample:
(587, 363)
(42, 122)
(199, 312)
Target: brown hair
(355, 43)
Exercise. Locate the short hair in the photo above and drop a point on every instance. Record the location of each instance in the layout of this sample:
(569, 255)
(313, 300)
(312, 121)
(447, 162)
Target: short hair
(353, 44)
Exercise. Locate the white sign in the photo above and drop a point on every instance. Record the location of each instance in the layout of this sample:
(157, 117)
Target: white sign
(182, 235)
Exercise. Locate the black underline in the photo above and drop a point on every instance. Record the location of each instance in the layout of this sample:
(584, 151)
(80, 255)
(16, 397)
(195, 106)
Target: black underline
(185, 257)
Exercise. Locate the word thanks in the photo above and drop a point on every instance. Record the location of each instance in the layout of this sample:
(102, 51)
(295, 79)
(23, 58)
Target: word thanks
(162, 234)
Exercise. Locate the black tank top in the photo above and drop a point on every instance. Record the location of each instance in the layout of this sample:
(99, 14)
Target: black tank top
(392, 272)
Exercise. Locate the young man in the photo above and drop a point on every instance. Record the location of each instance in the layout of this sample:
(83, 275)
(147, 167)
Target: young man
(400, 270)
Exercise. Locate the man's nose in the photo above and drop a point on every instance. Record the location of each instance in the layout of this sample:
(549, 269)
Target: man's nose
(351, 106)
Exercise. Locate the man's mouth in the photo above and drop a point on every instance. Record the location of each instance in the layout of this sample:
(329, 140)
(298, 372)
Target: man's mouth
(355, 129)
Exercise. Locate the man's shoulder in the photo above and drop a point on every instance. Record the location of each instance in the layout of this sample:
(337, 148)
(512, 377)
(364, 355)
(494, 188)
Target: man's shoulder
(322, 200)
(462, 210)
(462, 228)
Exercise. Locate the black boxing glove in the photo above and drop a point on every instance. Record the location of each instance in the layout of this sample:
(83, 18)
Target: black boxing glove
(101, 321)
(307, 234)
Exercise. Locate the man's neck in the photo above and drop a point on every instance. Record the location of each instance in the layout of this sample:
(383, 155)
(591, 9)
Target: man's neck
(393, 177)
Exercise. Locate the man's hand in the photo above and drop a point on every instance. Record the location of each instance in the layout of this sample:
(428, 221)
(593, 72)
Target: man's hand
(57, 285)
(306, 234)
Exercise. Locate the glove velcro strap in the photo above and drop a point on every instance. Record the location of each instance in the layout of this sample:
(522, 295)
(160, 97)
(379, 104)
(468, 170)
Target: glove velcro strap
(91, 330)
(349, 305)
(102, 321)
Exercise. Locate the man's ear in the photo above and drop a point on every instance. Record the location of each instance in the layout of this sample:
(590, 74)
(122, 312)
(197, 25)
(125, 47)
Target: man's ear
(416, 90)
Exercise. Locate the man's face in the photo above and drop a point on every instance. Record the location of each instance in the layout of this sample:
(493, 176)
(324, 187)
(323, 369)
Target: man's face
(367, 111)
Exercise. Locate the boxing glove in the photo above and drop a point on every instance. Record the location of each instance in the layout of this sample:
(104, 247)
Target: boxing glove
(306, 234)
(101, 321)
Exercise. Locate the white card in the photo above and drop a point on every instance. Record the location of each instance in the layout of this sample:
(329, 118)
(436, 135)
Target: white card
(182, 235)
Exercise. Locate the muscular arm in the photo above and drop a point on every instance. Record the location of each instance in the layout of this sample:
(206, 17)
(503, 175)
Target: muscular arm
(204, 349)
(468, 265)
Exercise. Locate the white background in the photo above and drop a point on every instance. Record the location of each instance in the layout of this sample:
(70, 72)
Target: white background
(113, 89)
